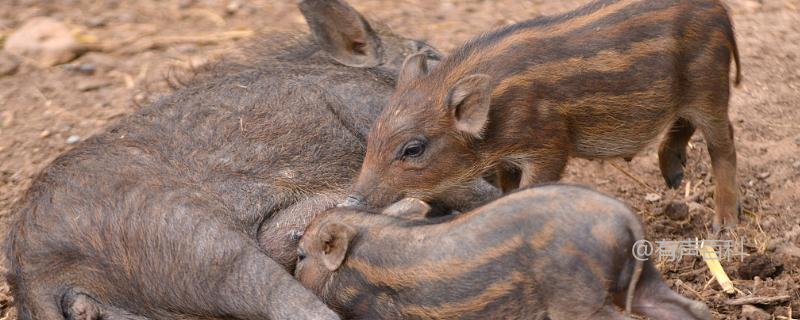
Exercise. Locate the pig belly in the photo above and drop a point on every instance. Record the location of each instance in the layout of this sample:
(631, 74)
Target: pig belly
(613, 138)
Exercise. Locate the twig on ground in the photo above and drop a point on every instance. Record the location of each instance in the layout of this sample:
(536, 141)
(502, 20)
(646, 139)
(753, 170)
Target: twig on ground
(758, 300)
(688, 288)
(634, 178)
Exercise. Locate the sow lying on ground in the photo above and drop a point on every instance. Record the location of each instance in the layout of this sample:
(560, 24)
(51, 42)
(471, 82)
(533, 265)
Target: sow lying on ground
(189, 208)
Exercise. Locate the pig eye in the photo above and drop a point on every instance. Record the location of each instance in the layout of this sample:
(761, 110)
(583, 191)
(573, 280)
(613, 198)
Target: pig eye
(413, 149)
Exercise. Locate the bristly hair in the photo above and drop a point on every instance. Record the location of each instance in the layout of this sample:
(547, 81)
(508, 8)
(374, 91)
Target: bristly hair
(265, 50)
(271, 52)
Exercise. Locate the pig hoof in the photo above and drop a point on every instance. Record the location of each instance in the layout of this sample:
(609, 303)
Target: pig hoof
(674, 180)
(719, 228)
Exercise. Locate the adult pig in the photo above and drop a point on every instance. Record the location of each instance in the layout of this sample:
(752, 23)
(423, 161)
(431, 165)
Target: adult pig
(191, 207)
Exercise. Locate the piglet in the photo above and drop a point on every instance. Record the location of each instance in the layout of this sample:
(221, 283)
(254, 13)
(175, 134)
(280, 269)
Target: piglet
(549, 252)
(603, 81)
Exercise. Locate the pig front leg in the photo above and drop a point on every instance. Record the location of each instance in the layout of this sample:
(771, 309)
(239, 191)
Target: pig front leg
(545, 165)
(259, 288)
(194, 260)
(508, 178)
(279, 235)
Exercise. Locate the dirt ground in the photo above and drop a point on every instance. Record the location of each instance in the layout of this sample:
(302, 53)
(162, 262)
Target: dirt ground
(135, 44)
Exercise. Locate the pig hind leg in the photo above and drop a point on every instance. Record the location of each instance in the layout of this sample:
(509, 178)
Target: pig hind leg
(672, 152)
(79, 306)
(40, 302)
(708, 93)
(655, 300)
(718, 133)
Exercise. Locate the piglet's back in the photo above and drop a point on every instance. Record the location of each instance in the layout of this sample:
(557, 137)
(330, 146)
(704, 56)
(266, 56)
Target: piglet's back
(503, 259)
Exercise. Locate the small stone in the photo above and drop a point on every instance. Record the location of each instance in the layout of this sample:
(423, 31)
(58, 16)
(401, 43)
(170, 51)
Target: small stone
(6, 119)
(97, 22)
(9, 64)
(796, 164)
(676, 210)
(750, 312)
(767, 223)
(85, 68)
(763, 175)
(232, 7)
(752, 5)
(73, 139)
(45, 40)
(652, 197)
(45, 134)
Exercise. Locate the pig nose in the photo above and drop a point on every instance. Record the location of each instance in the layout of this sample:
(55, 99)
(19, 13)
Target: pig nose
(352, 200)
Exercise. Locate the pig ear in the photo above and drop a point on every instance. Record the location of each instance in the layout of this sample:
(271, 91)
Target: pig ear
(408, 208)
(334, 240)
(415, 66)
(468, 102)
(342, 32)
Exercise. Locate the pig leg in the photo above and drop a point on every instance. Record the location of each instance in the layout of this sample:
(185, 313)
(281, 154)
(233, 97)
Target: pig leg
(672, 153)
(708, 111)
(655, 300)
(79, 306)
(546, 165)
(41, 302)
(470, 196)
(259, 288)
(508, 178)
(719, 137)
(279, 236)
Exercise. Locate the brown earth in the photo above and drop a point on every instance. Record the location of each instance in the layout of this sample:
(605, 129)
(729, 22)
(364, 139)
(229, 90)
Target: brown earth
(135, 44)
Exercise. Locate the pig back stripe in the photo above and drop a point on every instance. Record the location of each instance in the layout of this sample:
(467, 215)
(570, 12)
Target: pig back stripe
(494, 45)
(428, 271)
(627, 27)
(472, 305)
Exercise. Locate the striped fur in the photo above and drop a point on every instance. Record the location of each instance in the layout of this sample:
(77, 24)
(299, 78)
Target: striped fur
(602, 81)
(557, 251)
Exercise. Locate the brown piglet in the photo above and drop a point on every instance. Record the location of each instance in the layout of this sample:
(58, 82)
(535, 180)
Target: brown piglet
(602, 81)
(549, 252)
